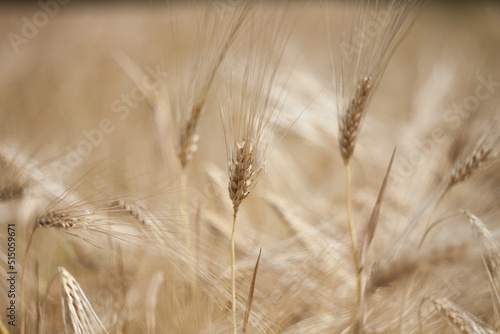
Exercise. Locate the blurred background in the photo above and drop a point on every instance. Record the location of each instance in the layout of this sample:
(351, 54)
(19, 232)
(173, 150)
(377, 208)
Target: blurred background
(67, 77)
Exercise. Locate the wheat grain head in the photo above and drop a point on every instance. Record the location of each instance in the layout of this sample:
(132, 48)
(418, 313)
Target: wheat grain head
(81, 314)
(458, 318)
(369, 41)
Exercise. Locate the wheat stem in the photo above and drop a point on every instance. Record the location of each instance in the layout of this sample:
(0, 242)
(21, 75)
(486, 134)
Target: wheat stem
(187, 230)
(185, 218)
(429, 221)
(28, 245)
(352, 233)
(233, 278)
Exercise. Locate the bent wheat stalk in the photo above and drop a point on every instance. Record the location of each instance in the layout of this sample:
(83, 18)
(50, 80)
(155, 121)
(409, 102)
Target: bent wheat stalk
(471, 163)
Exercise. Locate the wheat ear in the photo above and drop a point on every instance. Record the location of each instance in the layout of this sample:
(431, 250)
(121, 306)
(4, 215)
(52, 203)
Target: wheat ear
(349, 128)
(17, 183)
(351, 120)
(130, 208)
(457, 318)
(239, 182)
(188, 141)
(242, 173)
(82, 316)
(481, 156)
(467, 168)
(490, 254)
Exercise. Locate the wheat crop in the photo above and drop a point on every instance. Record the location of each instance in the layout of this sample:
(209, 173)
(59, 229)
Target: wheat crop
(250, 167)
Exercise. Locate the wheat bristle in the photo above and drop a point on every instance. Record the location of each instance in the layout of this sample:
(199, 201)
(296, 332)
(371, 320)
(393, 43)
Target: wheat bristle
(131, 209)
(189, 138)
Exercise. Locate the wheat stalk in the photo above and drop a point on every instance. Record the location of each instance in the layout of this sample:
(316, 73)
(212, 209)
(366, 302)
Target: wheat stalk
(248, 115)
(358, 71)
(471, 163)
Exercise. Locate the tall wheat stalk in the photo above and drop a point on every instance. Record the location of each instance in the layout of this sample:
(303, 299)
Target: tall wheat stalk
(214, 40)
(249, 110)
(358, 64)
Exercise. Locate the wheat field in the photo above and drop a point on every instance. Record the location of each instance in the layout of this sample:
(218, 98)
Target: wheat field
(263, 167)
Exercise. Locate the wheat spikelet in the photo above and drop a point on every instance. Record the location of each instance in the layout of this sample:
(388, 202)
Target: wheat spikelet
(482, 155)
(457, 318)
(247, 111)
(351, 122)
(361, 58)
(242, 172)
(215, 36)
(490, 254)
(130, 208)
(14, 182)
(357, 68)
(464, 170)
(89, 225)
(58, 219)
(11, 191)
(188, 142)
(82, 316)
(24, 174)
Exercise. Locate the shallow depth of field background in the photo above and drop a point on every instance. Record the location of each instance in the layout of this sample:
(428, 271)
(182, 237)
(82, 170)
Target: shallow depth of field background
(64, 81)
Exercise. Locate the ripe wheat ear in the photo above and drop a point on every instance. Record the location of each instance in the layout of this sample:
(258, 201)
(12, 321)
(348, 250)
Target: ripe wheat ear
(358, 65)
(248, 114)
(83, 318)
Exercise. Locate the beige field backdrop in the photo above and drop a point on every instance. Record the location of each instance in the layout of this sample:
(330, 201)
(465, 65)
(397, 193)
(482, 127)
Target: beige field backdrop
(89, 165)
